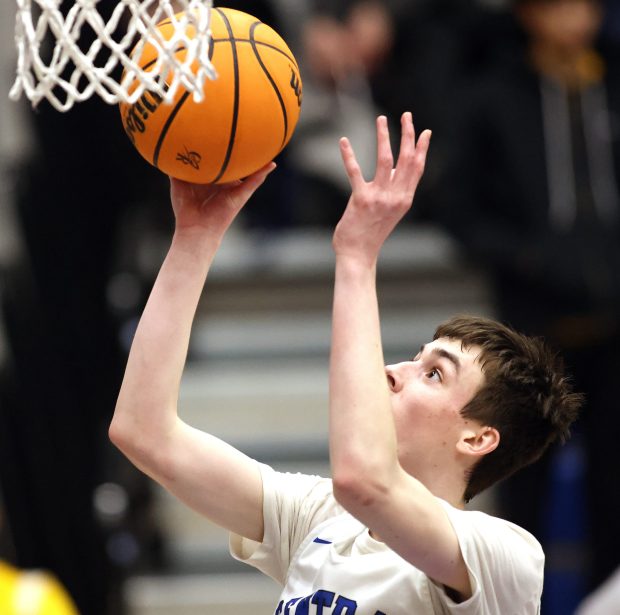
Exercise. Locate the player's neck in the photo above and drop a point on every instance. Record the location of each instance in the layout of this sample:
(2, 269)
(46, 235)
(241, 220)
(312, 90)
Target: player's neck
(446, 483)
(450, 494)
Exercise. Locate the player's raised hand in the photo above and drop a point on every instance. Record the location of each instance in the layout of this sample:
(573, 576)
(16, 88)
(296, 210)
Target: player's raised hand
(376, 206)
(212, 207)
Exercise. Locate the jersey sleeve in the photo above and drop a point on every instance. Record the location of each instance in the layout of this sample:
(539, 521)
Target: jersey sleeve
(293, 504)
(505, 565)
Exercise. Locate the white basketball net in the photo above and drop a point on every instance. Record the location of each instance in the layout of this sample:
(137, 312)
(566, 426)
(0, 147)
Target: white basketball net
(58, 59)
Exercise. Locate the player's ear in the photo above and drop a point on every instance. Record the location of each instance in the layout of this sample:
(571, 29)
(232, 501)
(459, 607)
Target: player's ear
(478, 442)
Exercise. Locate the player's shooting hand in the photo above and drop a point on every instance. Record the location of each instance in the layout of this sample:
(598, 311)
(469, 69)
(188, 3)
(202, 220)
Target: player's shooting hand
(211, 208)
(376, 207)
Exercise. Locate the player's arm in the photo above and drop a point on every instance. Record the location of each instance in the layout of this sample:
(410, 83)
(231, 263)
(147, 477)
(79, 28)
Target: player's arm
(206, 473)
(368, 478)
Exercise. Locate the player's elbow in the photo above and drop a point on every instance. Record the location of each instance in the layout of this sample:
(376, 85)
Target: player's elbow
(139, 443)
(118, 434)
(125, 439)
(359, 490)
(361, 478)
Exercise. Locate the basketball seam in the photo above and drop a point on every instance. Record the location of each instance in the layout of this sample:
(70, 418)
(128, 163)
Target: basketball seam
(233, 129)
(274, 85)
(241, 40)
(261, 43)
(154, 60)
(168, 22)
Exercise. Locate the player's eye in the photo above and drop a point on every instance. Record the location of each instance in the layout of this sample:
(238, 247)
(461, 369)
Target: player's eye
(434, 374)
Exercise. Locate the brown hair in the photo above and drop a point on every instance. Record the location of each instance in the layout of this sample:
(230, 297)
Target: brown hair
(526, 396)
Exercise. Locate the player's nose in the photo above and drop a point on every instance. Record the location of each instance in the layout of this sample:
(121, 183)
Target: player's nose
(398, 374)
(394, 378)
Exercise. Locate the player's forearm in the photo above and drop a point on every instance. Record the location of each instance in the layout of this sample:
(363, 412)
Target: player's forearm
(362, 434)
(146, 409)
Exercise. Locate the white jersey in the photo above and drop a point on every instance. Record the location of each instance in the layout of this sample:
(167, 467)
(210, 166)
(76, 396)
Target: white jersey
(328, 564)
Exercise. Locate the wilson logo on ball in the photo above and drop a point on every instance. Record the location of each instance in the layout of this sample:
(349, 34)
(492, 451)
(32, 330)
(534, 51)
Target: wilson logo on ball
(296, 85)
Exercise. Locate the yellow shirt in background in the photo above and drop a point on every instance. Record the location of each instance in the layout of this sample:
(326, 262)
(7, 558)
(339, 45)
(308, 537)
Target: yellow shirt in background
(32, 593)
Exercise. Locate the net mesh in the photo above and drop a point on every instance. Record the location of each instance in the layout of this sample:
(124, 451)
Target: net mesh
(70, 51)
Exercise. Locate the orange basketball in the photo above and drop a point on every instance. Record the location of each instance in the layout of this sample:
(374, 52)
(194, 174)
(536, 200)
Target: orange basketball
(247, 117)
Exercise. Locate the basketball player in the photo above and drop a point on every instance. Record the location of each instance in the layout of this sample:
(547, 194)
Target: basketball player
(409, 444)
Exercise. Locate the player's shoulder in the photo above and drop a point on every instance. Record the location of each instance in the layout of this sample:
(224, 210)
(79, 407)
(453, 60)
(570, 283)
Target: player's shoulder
(493, 530)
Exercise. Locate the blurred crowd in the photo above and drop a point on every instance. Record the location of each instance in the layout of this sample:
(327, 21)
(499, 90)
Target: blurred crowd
(523, 97)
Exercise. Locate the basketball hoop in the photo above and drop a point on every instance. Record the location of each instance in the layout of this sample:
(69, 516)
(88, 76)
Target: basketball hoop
(70, 50)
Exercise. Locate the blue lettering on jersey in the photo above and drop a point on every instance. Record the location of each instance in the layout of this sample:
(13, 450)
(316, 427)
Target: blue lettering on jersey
(344, 606)
(322, 599)
(303, 607)
(289, 604)
(322, 541)
(319, 603)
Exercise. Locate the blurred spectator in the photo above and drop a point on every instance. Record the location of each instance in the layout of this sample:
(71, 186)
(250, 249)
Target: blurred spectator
(364, 57)
(532, 195)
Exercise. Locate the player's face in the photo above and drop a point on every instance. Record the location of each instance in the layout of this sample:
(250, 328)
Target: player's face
(428, 394)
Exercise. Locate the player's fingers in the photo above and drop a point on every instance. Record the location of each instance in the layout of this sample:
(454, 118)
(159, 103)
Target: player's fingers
(406, 155)
(242, 191)
(385, 158)
(421, 152)
(351, 166)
